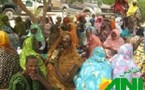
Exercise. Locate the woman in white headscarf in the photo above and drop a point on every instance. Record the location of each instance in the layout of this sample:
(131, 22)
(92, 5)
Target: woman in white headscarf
(118, 24)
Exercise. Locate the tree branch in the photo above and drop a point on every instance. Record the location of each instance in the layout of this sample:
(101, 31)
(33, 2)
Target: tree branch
(23, 7)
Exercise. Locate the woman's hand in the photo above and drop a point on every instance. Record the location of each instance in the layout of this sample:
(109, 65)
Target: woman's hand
(42, 80)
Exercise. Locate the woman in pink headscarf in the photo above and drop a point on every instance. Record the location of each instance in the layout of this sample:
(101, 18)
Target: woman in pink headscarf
(113, 43)
(99, 22)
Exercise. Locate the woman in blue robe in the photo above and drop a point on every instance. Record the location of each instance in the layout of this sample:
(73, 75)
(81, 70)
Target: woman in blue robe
(93, 71)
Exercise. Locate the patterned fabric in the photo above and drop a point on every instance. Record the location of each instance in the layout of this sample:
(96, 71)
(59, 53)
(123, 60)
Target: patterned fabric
(64, 59)
(123, 64)
(9, 65)
(105, 30)
(9, 60)
(7, 29)
(93, 71)
(139, 57)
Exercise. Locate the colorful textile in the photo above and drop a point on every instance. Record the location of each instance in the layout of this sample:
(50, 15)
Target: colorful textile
(133, 40)
(123, 64)
(139, 57)
(63, 59)
(14, 39)
(132, 10)
(120, 7)
(20, 82)
(73, 33)
(99, 22)
(28, 49)
(93, 41)
(39, 35)
(125, 33)
(93, 71)
(9, 65)
(4, 39)
(114, 44)
(7, 29)
(9, 60)
(112, 22)
(118, 24)
(105, 31)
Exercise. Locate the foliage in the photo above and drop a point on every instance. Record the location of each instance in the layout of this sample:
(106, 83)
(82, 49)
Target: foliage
(109, 2)
(141, 5)
(4, 1)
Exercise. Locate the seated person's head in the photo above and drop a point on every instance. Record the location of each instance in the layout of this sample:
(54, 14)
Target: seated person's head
(134, 3)
(66, 41)
(31, 65)
(34, 30)
(115, 34)
(88, 31)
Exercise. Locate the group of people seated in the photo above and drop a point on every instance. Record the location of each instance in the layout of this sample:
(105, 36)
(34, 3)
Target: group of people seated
(77, 52)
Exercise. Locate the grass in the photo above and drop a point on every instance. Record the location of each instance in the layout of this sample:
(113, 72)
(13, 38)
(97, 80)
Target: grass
(109, 2)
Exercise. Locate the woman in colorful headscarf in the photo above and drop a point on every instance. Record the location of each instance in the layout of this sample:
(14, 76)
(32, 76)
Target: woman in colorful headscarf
(120, 25)
(123, 63)
(34, 37)
(63, 63)
(93, 71)
(9, 60)
(99, 22)
(36, 31)
(133, 15)
(31, 47)
(113, 42)
(132, 8)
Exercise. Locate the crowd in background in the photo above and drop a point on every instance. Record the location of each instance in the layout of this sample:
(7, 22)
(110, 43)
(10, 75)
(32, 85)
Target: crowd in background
(75, 52)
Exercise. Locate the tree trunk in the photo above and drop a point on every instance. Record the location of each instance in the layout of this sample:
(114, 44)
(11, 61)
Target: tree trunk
(23, 7)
